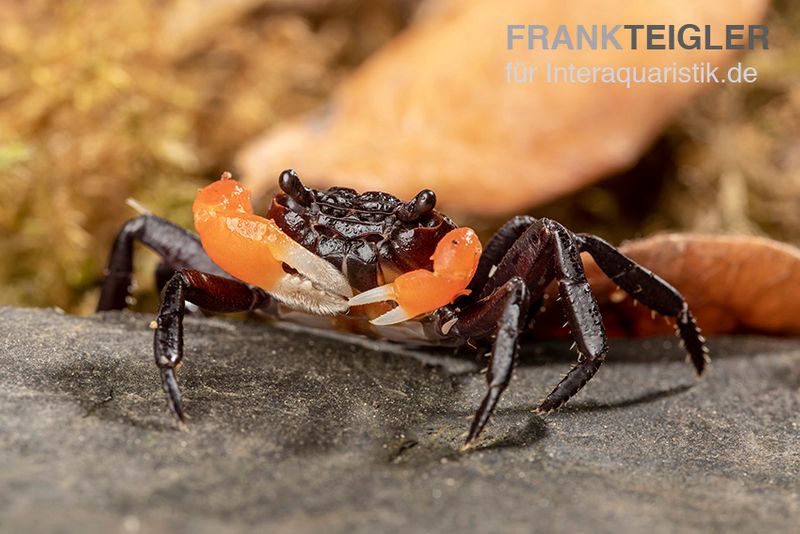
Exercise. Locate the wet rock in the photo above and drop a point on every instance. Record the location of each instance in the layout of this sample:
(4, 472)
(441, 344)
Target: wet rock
(294, 432)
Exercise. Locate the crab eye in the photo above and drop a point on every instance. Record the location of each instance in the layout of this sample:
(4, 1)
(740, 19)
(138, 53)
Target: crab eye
(412, 210)
(290, 184)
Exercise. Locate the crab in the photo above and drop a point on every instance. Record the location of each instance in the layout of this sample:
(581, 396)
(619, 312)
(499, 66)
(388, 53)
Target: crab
(375, 265)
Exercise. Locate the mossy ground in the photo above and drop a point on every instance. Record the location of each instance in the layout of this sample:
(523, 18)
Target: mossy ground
(102, 101)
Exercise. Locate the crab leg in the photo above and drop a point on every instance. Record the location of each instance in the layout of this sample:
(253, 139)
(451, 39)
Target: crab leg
(210, 292)
(496, 249)
(652, 290)
(178, 249)
(421, 291)
(255, 250)
(507, 308)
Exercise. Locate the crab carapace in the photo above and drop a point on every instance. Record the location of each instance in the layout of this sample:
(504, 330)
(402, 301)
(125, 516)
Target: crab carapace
(387, 268)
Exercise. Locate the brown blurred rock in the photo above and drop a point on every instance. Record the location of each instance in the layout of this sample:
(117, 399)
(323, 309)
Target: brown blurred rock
(434, 109)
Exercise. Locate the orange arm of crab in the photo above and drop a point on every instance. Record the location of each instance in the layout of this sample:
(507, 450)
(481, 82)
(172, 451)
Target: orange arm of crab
(417, 292)
(254, 250)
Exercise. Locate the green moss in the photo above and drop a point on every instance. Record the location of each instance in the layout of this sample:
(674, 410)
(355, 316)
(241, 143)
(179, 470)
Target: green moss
(146, 99)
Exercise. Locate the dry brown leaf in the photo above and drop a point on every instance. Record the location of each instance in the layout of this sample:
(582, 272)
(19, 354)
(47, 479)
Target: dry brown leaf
(434, 109)
(732, 285)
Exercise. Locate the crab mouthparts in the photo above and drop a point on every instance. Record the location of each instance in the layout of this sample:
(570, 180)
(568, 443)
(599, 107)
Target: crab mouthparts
(316, 286)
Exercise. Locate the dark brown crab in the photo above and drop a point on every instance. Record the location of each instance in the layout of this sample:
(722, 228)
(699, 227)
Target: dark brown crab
(317, 248)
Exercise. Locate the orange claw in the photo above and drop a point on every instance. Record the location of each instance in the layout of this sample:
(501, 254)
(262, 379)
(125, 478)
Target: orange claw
(255, 249)
(418, 292)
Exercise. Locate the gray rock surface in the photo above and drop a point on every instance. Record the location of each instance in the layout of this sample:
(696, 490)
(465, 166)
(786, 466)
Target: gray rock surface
(292, 432)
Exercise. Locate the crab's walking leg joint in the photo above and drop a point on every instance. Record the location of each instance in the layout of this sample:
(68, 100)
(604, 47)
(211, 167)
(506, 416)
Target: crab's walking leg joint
(418, 292)
(499, 247)
(509, 307)
(651, 290)
(210, 292)
(178, 249)
(527, 254)
(255, 250)
(583, 317)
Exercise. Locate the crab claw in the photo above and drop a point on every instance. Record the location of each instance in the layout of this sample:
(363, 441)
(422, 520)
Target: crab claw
(255, 250)
(418, 292)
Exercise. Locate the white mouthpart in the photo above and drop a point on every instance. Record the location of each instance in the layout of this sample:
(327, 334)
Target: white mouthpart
(322, 274)
(300, 293)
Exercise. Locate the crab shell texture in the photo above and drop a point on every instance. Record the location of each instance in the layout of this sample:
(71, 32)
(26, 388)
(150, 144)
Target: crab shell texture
(371, 238)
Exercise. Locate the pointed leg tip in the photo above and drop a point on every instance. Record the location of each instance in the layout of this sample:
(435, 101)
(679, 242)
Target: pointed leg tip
(469, 443)
(545, 408)
(703, 370)
(701, 366)
(179, 413)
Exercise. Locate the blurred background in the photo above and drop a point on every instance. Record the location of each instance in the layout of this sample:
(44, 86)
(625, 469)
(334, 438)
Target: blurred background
(150, 99)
